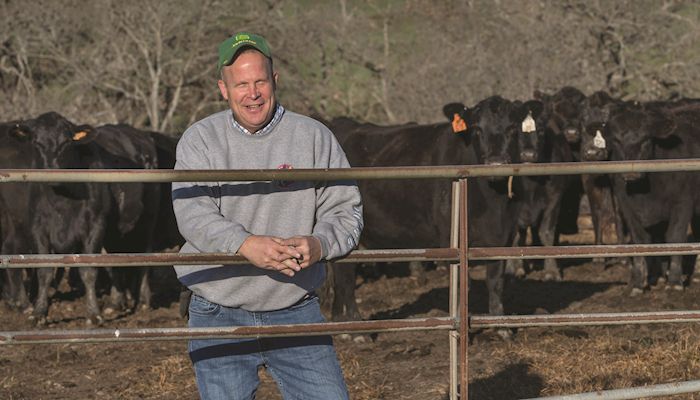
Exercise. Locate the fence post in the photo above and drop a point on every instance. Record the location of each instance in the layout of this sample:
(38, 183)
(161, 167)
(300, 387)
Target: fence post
(454, 292)
(463, 289)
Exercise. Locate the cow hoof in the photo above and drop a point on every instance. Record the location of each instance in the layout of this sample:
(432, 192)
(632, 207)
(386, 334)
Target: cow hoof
(38, 320)
(95, 320)
(675, 286)
(505, 334)
(636, 292)
(552, 277)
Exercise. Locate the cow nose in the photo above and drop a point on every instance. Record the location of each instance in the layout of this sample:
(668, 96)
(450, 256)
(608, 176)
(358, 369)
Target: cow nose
(593, 154)
(527, 156)
(631, 176)
(571, 134)
(496, 161)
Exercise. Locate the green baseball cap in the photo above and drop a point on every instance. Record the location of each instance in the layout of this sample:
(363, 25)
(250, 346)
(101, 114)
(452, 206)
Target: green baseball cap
(229, 47)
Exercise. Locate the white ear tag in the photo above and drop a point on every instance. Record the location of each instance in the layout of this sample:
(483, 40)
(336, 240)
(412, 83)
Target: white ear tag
(528, 124)
(598, 140)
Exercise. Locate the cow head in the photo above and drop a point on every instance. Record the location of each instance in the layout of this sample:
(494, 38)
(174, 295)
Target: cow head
(594, 116)
(634, 131)
(564, 109)
(55, 138)
(490, 132)
(529, 120)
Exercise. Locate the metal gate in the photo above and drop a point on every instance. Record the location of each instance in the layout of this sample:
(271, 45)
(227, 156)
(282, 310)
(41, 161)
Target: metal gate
(457, 324)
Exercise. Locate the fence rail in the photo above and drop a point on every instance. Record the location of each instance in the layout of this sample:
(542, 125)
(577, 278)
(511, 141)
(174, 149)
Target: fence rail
(358, 256)
(361, 173)
(457, 324)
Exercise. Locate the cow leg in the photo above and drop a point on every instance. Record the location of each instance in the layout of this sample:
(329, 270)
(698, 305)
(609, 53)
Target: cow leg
(14, 292)
(639, 270)
(596, 205)
(677, 232)
(494, 284)
(548, 235)
(117, 300)
(417, 271)
(341, 279)
(516, 267)
(41, 305)
(89, 277)
(144, 300)
(639, 276)
(695, 226)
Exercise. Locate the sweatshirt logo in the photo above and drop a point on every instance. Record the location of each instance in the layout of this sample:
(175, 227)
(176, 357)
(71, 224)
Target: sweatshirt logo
(284, 184)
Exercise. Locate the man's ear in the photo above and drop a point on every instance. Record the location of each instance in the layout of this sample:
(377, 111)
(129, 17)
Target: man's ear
(275, 78)
(222, 89)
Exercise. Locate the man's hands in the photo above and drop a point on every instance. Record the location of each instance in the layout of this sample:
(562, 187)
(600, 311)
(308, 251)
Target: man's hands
(308, 246)
(287, 256)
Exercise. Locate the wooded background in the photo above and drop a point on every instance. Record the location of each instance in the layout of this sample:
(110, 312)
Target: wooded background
(151, 64)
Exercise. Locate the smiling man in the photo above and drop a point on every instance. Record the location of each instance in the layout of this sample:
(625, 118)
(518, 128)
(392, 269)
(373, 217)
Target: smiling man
(285, 229)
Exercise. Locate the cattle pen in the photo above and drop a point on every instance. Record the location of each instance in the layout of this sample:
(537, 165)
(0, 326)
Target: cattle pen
(457, 324)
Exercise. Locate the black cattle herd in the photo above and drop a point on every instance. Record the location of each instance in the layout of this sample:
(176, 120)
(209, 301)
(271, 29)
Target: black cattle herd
(75, 218)
(565, 126)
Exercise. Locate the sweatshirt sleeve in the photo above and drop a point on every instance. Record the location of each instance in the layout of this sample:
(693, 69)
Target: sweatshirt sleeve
(339, 219)
(197, 204)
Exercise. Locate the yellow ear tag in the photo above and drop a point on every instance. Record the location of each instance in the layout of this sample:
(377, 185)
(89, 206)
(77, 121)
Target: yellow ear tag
(79, 135)
(458, 124)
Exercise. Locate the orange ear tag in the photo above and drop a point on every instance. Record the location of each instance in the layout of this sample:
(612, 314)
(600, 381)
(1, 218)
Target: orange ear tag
(458, 124)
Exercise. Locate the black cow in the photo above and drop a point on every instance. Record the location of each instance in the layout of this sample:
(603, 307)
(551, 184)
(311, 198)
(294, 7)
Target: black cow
(554, 200)
(134, 208)
(542, 195)
(566, 115)
(656, 207)
(598, 188)
(168, 235)
(16, 151)
(67, 218)
(416, 213)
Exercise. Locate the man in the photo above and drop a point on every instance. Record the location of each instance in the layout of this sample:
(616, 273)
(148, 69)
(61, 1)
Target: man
(284, 228)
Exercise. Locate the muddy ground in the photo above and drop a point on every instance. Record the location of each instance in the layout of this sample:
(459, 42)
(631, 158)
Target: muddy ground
(409, 365)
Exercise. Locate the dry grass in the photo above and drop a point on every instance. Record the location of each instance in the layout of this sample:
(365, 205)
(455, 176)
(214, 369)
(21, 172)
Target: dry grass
(566, 361)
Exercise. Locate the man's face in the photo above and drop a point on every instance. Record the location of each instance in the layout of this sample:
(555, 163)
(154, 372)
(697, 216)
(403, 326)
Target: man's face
(249, 87)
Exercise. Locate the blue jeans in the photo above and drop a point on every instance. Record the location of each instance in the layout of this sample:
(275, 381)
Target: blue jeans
(304, 368)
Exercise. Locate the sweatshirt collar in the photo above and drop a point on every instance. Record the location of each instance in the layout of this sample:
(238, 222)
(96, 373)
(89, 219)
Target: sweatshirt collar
(279, 111)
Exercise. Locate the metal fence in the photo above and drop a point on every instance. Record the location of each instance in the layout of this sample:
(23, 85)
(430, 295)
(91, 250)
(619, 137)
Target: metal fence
(457, 323)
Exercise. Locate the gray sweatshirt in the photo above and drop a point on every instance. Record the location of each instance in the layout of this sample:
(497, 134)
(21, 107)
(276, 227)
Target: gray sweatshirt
(219, 216)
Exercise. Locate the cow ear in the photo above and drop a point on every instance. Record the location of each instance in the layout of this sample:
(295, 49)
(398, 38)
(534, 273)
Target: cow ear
(455, 113)
(83, 134)
(453, 108)
(536, 107)
(21, 132)
(539, 95)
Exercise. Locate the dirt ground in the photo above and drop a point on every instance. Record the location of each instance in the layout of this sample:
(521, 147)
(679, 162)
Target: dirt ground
(409, 365)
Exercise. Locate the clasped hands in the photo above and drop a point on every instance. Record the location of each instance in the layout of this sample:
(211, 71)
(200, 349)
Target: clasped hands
(287, 256)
